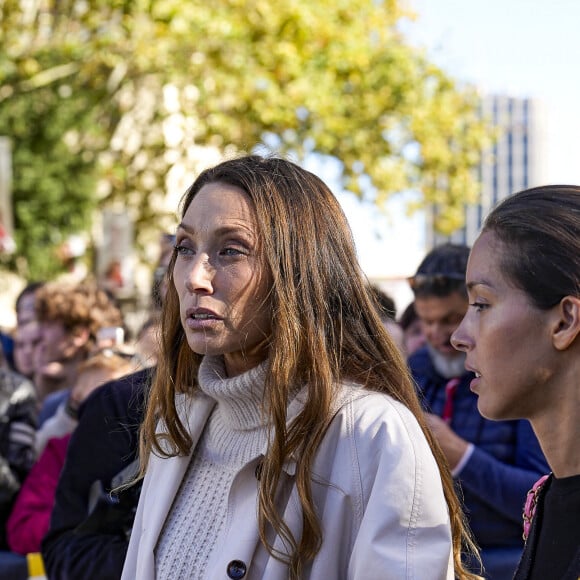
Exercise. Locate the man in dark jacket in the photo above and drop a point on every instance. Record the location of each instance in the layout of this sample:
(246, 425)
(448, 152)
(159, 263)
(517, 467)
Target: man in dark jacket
(90, 527)
(17, 432)
(494, 463)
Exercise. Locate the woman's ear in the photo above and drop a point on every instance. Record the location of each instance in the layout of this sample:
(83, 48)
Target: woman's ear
(80, 337)
(567, 328)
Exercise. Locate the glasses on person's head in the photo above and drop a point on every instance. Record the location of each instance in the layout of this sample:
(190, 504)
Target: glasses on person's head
(437, 283)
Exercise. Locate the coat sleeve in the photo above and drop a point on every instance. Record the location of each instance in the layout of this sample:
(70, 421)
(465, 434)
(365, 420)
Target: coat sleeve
(405, 528)
(502, 486)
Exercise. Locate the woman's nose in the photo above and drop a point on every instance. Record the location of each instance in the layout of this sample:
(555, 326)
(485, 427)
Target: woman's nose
(200, 276)
(460, 338)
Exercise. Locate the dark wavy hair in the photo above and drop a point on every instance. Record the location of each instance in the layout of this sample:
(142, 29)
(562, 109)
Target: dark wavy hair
(325, 330)
(540, 227)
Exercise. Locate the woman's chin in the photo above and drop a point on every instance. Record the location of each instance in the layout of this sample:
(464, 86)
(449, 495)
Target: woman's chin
(493, 412)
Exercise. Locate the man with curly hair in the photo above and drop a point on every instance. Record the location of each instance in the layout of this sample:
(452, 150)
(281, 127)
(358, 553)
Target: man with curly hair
(70, 317)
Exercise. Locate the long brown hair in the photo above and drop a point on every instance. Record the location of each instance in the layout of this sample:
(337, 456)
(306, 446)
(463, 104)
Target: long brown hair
(325, 330)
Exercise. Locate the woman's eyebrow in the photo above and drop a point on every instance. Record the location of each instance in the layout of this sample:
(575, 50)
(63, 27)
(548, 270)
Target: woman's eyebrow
(221, 231)
(483, 282)
(182, 226)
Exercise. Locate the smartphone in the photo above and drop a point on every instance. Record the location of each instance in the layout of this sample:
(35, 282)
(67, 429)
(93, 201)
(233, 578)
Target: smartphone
(110, 336)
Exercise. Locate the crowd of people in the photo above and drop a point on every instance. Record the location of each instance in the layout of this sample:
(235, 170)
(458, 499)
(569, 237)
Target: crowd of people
(69, 340)
(280, 420)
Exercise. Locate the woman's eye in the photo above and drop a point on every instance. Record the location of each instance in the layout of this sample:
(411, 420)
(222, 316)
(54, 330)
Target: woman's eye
(183, 250)
(479, 306)
(232, 252)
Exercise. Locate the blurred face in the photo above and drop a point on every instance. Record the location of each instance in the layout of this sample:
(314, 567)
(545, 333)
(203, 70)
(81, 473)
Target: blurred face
(439, 317)
(26, 312)
(56, 347)
(414, 338)
(26, 340)
(506, 338)
(219, 279)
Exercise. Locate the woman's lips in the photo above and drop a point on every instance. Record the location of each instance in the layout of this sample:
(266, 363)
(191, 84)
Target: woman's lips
(201, 319)
(474, 382)
(202, 323)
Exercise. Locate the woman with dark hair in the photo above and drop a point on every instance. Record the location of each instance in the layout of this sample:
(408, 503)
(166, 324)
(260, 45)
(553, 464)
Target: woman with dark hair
(521, 336)
(283, 437)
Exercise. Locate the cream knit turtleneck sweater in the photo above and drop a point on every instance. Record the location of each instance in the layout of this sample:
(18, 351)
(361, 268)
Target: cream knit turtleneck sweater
(234, 434)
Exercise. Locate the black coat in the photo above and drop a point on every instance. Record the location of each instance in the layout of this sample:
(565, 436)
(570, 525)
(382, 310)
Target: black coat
(91, 545)
(525, 565)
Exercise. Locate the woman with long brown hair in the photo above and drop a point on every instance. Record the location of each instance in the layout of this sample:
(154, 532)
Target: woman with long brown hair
(283, 436)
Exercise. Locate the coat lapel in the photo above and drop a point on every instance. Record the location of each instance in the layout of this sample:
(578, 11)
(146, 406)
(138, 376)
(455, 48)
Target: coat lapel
(168, 472)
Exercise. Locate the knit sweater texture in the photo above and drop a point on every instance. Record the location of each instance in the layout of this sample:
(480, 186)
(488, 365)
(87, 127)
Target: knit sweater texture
(235, 433)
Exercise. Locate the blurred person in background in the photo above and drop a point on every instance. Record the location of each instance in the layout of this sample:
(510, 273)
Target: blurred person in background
(92, 520)
(30, 517)
(147, 343)
(26, 303)
(148, 337)
(7, 347)
(159, 284)
(17, 432)
(3, 360)
(113, 280)
(99, 368)
(70, 318)
(7, 243)
(26, 340)
(494, 463)
(25, 313)
(387, 310)
(413, 335)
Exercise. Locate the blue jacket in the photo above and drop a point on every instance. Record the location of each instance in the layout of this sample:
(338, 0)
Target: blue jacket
(103, 444)
(505, 464)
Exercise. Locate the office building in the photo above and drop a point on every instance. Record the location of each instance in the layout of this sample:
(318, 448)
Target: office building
(513, 163)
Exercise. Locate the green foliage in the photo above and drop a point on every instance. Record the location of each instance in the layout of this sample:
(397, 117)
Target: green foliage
(120, 92)
(54, 185)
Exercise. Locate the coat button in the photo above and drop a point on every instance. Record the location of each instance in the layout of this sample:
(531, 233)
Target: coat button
(236, 569)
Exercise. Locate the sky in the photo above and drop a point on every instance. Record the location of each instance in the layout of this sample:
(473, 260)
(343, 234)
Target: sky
(521, 48)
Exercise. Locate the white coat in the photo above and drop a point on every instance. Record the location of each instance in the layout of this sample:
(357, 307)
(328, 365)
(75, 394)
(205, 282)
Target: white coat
(376, 487)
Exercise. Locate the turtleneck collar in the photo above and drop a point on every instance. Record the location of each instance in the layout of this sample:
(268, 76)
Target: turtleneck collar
(239, 399)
